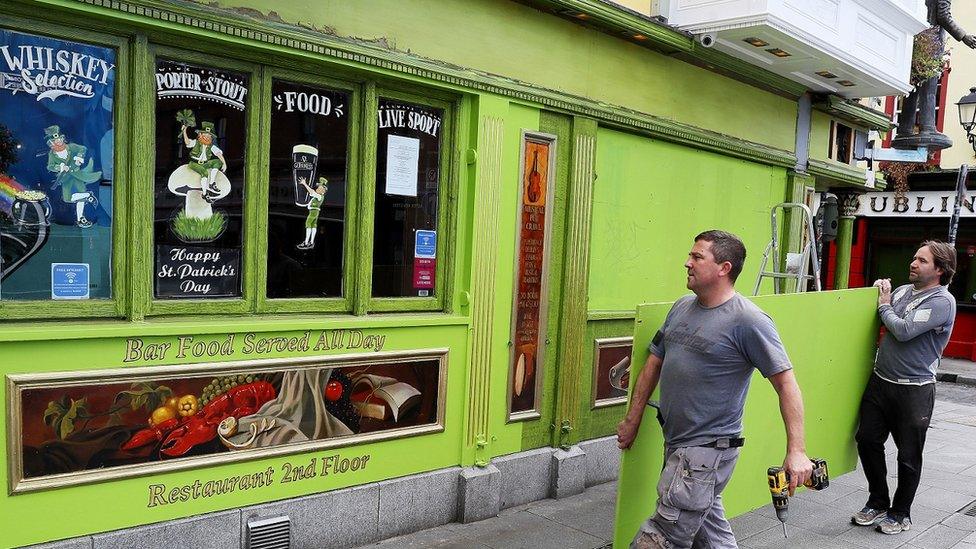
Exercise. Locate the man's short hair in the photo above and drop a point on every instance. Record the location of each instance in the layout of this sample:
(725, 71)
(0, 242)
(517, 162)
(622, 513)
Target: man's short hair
(944, 256)
(728, 247)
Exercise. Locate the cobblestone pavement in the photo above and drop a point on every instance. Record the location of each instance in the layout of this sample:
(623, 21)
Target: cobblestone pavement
(818, 519)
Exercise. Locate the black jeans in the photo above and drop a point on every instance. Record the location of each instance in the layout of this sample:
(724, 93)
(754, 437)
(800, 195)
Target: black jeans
(904, 412)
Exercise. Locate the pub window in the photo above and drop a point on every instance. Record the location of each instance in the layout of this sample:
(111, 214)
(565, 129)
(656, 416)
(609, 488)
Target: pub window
(408, 180)
(841, 142)
(201, 136)
(57, 168)
(307, 190)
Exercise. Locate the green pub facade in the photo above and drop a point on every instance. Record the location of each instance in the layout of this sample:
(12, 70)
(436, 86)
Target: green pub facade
(370, 265)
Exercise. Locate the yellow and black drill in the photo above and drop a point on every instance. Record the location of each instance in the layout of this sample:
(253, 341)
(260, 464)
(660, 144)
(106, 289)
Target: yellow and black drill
(779, 487)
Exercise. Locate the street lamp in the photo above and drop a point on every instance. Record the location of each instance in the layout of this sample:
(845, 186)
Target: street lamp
(967, 115)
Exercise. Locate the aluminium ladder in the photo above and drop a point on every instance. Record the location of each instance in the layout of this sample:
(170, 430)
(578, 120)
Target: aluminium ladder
(800, 267)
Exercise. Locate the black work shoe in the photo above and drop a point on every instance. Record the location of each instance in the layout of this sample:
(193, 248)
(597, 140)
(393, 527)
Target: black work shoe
(868, 516)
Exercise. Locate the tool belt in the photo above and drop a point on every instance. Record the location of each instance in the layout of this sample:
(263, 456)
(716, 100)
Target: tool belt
(724, 443)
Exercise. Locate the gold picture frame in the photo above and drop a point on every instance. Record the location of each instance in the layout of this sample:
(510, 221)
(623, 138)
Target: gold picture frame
(603, 367)
(18, 384)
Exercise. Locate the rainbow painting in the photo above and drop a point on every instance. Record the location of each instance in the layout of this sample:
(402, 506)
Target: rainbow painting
(9, 187)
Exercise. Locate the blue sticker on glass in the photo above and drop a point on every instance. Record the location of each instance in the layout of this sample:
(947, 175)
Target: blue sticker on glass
(69, 281)
(425, 244)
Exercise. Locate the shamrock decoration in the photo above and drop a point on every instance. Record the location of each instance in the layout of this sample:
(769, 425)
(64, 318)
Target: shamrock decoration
(186, 118)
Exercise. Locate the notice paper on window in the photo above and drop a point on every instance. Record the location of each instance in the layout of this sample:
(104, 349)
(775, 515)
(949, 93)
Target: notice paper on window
(402, 162)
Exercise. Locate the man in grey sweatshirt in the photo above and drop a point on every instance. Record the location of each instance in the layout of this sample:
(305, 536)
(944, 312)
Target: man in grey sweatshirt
(900, 395)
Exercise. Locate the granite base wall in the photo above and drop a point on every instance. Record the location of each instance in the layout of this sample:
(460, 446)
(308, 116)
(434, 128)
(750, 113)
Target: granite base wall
(364, 514)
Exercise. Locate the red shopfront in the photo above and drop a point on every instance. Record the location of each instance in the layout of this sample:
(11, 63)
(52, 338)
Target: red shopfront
(888, 230)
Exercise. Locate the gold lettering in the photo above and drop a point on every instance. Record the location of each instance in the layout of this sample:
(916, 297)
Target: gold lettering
(132, 350)
(156, 495)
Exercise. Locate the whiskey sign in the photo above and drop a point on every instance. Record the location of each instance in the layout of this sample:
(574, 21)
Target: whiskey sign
(529, 308)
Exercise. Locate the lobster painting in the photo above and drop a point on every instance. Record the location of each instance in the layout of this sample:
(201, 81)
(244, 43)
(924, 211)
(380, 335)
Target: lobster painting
(179, 436)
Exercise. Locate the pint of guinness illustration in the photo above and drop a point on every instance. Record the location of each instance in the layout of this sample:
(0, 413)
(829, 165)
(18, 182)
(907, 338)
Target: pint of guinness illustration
(305, 159)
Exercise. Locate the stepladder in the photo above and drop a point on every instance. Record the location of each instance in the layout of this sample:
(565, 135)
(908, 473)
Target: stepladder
(791, 271)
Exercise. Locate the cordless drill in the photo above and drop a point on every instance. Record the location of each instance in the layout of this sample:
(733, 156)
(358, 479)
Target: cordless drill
(779, 487)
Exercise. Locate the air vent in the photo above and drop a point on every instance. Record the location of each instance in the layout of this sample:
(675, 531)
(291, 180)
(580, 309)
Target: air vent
(269, 533)
(969, 510)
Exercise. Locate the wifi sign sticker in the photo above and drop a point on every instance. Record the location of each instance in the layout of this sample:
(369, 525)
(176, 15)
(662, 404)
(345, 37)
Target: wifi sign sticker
(69, 281)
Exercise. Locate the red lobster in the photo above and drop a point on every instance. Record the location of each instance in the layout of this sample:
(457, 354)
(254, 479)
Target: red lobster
(180, 435)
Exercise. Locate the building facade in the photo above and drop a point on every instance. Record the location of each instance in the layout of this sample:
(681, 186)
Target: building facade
(889, 227)
(378, 260)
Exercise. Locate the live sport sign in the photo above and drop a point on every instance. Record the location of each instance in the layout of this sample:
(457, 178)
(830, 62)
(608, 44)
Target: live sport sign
(913, 204)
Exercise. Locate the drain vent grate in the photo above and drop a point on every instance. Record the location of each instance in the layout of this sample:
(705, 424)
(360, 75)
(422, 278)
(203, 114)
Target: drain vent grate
(969, 510)
(269, 533)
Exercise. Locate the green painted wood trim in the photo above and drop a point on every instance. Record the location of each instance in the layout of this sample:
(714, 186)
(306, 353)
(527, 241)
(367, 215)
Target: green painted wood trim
(835, 174)
(309, 305)
(206, 325)
(459, 248)
(117, 305)
(618, 19)
(252, 165)
(142, 181)
(845, 237)
(363, 258)
(189, 20)
(854, 113)
(258, 197)
(488, 188)
(610, 315)
(796, 185)
(575, 277)
(446, 164)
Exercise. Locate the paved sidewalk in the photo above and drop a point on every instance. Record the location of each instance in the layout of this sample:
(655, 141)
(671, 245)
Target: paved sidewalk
(957, 370)
(817, 519)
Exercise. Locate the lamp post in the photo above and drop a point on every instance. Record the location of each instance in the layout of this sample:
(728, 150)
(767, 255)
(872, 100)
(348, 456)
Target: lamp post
(967, 115)
(967, 118)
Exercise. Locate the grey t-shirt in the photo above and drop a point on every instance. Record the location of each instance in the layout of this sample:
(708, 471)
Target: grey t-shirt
(708, 359)
(918, 327)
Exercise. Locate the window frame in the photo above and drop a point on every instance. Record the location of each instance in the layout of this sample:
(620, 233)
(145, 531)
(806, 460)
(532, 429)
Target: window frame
(344, 303)
(133, 239)
(446, 203)
(117, 305)
(251, 220)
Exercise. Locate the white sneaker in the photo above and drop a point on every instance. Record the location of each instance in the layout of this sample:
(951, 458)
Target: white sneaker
(891, 526)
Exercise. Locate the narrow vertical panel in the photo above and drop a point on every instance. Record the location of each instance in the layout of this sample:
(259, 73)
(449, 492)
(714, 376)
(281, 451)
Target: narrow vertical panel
(531, 289)
(573, 333)
(488, 188)
(141, 180)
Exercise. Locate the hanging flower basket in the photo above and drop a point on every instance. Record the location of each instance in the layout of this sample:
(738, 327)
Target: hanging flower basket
(928, 56)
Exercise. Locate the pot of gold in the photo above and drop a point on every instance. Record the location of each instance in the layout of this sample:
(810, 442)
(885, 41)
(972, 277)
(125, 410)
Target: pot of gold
(32, 208)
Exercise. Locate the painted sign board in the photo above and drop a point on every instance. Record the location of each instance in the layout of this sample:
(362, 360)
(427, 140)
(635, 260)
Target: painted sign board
(913, 204)
(830, 338)
(529, 307)
(82, 427)
(920, 155)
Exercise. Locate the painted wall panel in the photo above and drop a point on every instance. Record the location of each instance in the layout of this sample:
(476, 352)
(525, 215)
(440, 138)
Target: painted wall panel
(517, 41)
(830, 338)
(121, 503)
(651, 198)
